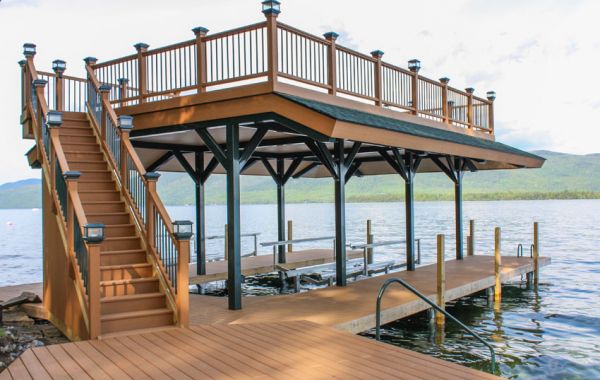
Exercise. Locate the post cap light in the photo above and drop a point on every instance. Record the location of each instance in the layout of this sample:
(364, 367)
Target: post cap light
(90, 60)
(40, 82)
(59, 66)
(93, 232)
(377, 54)
(71, 175)
(414, 65)
(152, 176)
(140, 46)
(491, 95)
(105, 87)
(271, 7)
(54, 118)
(200, 30)
(331, 36)
(125, 122)
(469, 90)
(22, 62)
(182, 229)
(29, 50)
(123, 81)
(445, 80)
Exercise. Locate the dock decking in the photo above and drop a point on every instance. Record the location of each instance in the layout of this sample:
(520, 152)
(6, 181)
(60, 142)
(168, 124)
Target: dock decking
(217, 270)
(290, 350)
(352, 308)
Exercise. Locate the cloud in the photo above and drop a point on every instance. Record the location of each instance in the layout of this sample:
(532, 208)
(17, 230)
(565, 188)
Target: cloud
(520, 53)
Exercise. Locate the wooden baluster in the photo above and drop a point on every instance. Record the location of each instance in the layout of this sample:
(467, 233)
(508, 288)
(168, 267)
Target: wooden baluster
(142, 48)
(104, 94)
(272, 45)
(470, 120)
(123, 82)
(378, 54)
(151, 179)
(491, 96)
(332, 61)
(415, 65)
(445, 109)
(59, 66)
(201, 65)
(94, 289)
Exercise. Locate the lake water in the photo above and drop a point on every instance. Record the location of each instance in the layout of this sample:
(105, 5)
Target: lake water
(553, 332)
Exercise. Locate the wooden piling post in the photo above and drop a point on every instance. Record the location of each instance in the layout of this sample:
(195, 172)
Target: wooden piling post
(290, 235)
(369, 241)
(471, 239)
(536, 252)
(441, 280)
(497, 267)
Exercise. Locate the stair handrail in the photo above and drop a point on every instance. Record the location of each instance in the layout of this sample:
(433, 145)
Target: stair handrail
(139, 190)
(83, 258)
(402, 282)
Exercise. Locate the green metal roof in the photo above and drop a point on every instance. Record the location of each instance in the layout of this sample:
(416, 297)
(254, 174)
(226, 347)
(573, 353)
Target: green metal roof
(377, 121)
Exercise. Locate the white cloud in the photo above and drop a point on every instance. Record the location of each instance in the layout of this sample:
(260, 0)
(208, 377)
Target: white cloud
(541, 57)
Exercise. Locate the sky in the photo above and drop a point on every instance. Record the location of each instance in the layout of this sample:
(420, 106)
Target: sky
(540, 56)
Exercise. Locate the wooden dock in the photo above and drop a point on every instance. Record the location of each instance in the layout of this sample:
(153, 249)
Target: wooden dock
(352, 308)
(253, 265)
(290, 350)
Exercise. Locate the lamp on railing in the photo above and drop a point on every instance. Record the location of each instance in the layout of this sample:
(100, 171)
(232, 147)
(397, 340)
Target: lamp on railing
(59, 66)
(54, 119)
(414, 65)
(90, 60)
(491, 95)
(271, 7)
(93, 233)
(125, 122)
(469, 90)
(182, 229)
(28, 50)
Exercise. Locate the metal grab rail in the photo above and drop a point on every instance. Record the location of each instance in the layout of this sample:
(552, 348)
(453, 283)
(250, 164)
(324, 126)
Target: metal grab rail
(276, 244)
(520, 252)
(366, 246)
(254, 234)
(390, 281)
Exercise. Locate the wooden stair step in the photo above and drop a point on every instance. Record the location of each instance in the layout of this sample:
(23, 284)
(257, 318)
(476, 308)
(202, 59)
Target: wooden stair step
(103, 206)
(119, 230)
(144, 319)
(76, 131)
(80, 146)
(96, 175)
(135, 302)
(130, 256)
(125, 271)
(86, 184)
(74, 115)
(99, 195)
(129, 286)
(109, 218)
(82, 165)
(77, 138)
(120, 243)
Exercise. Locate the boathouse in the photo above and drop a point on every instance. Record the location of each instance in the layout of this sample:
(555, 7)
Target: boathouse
(266, 99)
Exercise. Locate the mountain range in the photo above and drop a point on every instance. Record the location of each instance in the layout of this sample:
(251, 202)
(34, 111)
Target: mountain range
(563, 176)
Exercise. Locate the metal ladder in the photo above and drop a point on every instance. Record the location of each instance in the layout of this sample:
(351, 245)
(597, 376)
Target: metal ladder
(400, 281)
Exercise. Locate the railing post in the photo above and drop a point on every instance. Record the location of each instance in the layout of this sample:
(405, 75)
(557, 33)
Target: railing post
(183, 282)
(491, 96)
(445, 109)
(377, 54)
(536, 253)
(23, 67)
(123, 82)
(125, 124)
(151, 179)
(104, 95)
(290, 235)
(54, 122)
(201, 73)
(271, 12)
(414, 66)
(141, 48)
(59, 66)
(470, 92)
(497, 268)
(94, 279)
(441, 280)
(332, 62)
(71, 179)
(369, 241)
(471, 239)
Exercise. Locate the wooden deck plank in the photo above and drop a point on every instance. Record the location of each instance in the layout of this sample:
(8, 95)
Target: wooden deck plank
(5, 374)
(34, 367)
(120, 361)
(351, 308)
(86, 363)
(147, 366)
(18, 370)
(51, 365)
(107, 365)
(71, 367)
(217, 270)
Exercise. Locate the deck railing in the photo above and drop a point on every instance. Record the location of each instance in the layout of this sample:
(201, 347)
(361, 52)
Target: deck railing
(139, 190)
(272, 51)
(61, 183)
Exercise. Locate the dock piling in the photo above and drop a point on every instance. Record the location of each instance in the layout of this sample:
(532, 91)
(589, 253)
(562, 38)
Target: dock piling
(226, 239)
(441, 280)
(471, 239)
(497, 268)
(536, 252)
(290, 235)
(369, 241)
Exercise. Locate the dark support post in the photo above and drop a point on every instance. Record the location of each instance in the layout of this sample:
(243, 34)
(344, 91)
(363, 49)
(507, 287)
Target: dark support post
(200, 219)
(410, 219)
(281, 209)
(234, 277)
(340, 214)
(458, 205)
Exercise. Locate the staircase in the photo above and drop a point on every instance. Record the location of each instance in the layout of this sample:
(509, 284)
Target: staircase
(130, 292)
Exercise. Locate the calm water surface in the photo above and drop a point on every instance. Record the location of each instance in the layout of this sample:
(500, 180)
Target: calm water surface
(551, 333)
